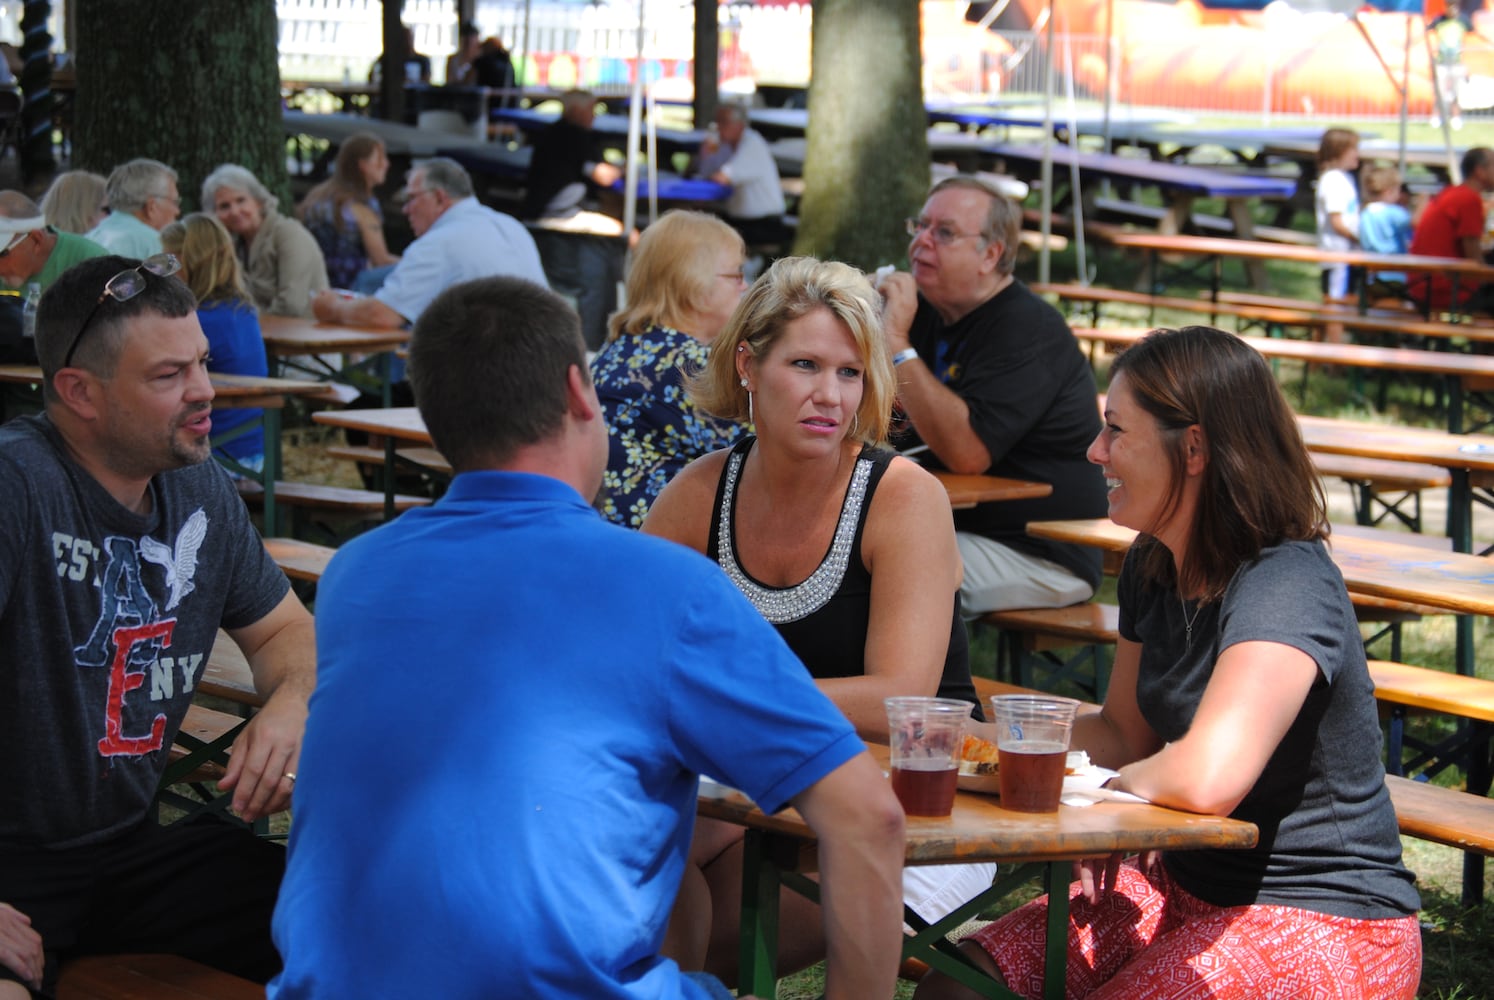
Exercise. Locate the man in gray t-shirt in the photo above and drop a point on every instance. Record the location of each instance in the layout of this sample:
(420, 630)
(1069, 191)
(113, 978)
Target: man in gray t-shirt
(122, 552)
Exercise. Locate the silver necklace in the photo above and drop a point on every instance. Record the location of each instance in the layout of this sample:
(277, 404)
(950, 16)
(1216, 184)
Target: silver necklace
(1188, 622)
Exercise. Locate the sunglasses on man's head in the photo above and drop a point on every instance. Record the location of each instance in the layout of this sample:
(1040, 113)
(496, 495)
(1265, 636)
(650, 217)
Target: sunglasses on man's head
(123, 287)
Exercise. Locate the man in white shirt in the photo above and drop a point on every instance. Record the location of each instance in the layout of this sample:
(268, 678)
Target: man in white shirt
(741, 158)
(143, 200)
(456, 239)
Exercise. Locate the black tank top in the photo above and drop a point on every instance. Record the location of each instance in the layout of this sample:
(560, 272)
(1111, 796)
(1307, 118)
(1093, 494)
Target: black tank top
(824, 617)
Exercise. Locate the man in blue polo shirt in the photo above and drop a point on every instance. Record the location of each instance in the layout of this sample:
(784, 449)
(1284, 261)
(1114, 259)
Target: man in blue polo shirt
(497, 788)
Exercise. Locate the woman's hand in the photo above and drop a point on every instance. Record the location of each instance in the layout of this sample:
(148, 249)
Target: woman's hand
(1096, 876)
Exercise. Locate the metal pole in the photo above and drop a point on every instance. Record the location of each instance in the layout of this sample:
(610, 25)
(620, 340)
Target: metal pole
(635, 111)
(1046, 174)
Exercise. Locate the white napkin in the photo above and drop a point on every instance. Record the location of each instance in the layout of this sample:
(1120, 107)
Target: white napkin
(1082, 788)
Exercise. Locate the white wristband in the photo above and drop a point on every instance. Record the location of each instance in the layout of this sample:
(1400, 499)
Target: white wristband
(906, 354)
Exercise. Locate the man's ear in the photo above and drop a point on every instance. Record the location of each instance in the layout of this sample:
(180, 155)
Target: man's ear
(78, 391)
(581, 397)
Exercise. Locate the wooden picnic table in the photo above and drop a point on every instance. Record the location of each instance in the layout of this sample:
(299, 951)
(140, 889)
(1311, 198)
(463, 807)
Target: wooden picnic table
(404, 423)
(1468, 458)
(1457, 582)
(1041, 846)
(967, 491)
(230, 392)
(1180, 184)
(299, 343)
(1256, 251)
(1452, 581)
(1456, 369)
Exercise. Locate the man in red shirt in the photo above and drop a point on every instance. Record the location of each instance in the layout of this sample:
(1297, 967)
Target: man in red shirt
(1451, 226)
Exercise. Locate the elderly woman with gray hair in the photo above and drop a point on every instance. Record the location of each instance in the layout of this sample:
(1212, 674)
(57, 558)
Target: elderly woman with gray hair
(283, 265)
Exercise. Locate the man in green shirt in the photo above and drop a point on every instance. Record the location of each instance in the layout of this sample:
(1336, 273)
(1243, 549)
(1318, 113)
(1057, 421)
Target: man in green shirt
(31, 250)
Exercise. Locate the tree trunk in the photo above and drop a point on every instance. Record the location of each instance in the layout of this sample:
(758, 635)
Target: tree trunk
(867, 165)
(190, 84)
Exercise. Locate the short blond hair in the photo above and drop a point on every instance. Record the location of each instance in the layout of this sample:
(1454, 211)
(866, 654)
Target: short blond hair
(1378, 180)
(792, 288)
(674, 269)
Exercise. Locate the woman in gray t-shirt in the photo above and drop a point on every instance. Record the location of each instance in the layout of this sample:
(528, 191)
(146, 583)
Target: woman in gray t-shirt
(1239, 689)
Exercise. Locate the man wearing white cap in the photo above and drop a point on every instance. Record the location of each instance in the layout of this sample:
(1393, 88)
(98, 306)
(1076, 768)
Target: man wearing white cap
(31, 250)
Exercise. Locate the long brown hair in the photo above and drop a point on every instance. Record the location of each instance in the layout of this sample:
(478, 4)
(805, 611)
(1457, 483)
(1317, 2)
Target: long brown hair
(1259, 487)
(347, 182)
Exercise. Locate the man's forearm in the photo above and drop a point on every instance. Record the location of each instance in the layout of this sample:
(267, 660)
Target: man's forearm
(941, 418)
(862, 906)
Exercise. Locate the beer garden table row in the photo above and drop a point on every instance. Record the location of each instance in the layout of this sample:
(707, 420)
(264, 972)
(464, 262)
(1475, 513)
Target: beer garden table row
(404, 423)
(1459, 270)
(1456, 369)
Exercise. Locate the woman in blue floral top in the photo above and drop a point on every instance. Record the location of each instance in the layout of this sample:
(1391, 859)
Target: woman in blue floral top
(685, 283)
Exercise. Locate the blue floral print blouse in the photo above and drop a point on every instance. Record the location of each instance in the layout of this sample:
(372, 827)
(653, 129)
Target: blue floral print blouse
(653, 430)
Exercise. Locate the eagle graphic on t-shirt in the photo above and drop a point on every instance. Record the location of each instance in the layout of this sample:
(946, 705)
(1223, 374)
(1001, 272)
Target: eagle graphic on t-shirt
(180, 565)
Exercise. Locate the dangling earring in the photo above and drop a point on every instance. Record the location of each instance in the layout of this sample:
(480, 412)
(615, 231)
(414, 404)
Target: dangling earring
(749, 402)
(855, 425)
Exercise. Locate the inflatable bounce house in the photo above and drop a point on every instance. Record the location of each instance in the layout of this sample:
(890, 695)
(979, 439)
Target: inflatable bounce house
(1278, 56)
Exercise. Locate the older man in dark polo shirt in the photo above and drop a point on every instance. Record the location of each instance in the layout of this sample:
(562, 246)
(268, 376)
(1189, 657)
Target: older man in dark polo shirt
(993, 381)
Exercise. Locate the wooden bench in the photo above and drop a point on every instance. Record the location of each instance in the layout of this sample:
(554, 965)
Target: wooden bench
(352, 507)
(1443, 815)
(1372, 479)
(1405, 689)
(1123, 210)
(366, 455)
(150, 977)
(300, 560)
(337, 499)
(1031, 637)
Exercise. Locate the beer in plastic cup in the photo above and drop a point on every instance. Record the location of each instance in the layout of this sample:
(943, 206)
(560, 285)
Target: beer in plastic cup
(926, 734)
(1032, 742)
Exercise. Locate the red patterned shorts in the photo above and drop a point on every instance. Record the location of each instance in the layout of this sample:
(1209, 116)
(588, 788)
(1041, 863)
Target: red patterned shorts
(1150, 939)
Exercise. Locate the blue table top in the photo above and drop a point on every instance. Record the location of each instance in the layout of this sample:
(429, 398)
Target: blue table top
(610, 126)
(1230, 138)
(1202, 181)
(1120, 122)
(673, 187)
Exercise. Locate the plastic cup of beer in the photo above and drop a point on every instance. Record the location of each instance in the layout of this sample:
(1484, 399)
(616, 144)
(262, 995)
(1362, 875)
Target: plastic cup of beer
(926, 735)
(1032, 743)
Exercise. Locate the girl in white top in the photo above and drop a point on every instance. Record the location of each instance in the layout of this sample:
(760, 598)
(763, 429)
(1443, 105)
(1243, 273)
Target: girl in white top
(1337, 204)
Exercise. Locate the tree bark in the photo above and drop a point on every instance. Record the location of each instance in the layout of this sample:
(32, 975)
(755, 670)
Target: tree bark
(867, 164)
(191, 84)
